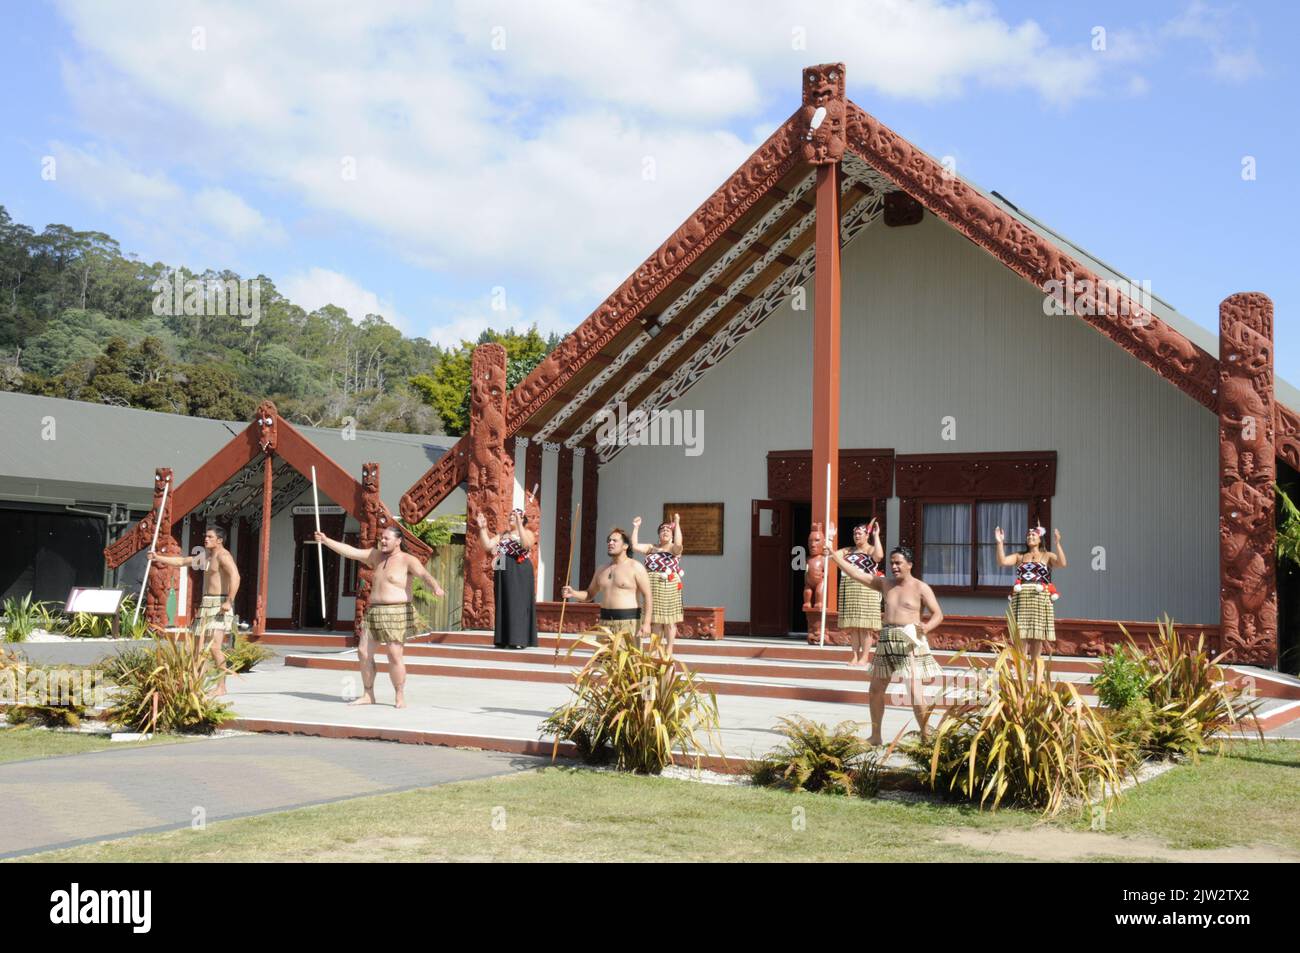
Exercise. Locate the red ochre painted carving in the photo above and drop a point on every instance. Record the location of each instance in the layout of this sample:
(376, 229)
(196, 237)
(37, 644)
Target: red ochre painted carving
(1247, 470)
(490, 475)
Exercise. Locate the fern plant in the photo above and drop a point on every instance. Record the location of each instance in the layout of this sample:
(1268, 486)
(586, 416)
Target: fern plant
(814, 758)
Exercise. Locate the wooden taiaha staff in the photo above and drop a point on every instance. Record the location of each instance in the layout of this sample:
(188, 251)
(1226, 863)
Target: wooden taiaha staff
(320, 547)
(568, 578)
(828, 562)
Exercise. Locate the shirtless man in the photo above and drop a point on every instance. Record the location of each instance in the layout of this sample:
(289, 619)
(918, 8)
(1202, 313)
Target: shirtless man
(390, 617)
(617, 585)
(903, 646)
(220, 586)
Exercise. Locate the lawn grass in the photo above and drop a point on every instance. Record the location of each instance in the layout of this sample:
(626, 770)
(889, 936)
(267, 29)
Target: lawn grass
(555, 813)
(23, 744)
(1249, 796)
(570, 814)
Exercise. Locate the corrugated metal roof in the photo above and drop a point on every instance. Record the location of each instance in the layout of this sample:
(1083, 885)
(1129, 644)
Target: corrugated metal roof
(117, 448)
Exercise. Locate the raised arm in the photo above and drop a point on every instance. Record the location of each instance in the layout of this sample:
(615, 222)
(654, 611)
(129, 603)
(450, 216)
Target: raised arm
(877, 549)
(677, 535)
(343, 549)
(1060, 553)
(636, 547)
(931, 603)
(417, 568)
(486, 539)
(185, 561)
(1003, 558)
(853, 572)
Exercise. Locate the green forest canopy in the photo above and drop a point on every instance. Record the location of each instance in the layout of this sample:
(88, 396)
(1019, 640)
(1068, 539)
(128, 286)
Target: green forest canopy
(85, 322)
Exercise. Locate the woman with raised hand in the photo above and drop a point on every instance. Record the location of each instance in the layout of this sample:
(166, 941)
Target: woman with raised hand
(859, 605)
(1032, 593)
(663, 563)
(514, 582)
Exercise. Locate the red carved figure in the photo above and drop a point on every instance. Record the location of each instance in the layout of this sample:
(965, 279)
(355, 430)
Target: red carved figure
(265, 420)
(490, 477)
(823, 89)
(816, 571)
(1247, 469)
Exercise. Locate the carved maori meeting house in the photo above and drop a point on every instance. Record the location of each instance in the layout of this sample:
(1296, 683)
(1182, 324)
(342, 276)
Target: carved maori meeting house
(845, 302)
(242, 487)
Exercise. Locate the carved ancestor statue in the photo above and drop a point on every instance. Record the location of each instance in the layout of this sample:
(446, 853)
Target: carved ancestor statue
(823, 88)
(816, 571)
(267, 438)
(1247, 469)
(373, 519)
(162, 578)
(490, 477)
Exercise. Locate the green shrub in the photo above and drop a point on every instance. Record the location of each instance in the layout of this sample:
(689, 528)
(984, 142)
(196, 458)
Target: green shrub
(1131, 729)
(1191, 700)
(20, 618)
(56, 698)
(816, 758)
(1123, 679)
(167, 687)
(637, 703)
(243, 655)
(1033, 743)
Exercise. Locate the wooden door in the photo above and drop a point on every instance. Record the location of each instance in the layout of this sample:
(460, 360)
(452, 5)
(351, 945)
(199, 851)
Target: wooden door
(770, 542)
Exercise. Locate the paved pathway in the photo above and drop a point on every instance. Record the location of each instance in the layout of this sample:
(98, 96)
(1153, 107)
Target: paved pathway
(63, 801)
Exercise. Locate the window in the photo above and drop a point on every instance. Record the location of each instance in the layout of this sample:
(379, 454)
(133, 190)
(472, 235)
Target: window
(949, 505)
(958, 545)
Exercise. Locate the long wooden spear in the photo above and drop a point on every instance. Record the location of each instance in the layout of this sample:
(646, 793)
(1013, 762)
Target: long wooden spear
(153, 546)
(320, 547)
(827, 561)
(568, 578)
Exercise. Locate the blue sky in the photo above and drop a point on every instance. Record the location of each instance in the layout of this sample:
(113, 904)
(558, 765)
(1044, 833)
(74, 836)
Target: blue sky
(504, 146)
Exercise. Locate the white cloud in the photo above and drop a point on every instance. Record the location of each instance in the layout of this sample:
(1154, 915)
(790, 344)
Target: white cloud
(1236, 66)
(1217, 27)
(152, 204)
(317, 287)
(232, 216)
(524, 163)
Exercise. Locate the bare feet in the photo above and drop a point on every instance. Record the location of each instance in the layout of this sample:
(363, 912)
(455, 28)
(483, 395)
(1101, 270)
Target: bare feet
(875, 741)
(401, 702)
(367, 698)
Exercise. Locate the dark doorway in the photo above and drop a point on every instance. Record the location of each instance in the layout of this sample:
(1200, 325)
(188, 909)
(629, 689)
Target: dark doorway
(851, 513)
(307, 610)
(47, 552)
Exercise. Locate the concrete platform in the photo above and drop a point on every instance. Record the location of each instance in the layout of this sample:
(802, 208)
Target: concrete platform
(499, 702)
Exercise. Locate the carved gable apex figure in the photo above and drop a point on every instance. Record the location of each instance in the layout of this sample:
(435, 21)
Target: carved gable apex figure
(823, 105)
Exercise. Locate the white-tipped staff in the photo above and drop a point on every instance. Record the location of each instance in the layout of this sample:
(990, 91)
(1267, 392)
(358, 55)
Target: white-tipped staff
(153, 546)
(320, 547)
(826, 569)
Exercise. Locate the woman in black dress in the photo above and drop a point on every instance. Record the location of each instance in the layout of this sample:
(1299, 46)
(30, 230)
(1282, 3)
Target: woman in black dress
(515, 621)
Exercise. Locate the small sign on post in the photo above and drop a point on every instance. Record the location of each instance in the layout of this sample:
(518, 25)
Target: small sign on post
(105, 602)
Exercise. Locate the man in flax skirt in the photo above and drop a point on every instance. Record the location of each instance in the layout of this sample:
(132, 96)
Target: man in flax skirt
(903, 648)
(390, 616)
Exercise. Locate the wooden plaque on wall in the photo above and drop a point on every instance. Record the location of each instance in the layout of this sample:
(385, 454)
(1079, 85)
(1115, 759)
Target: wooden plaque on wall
(701, 527)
